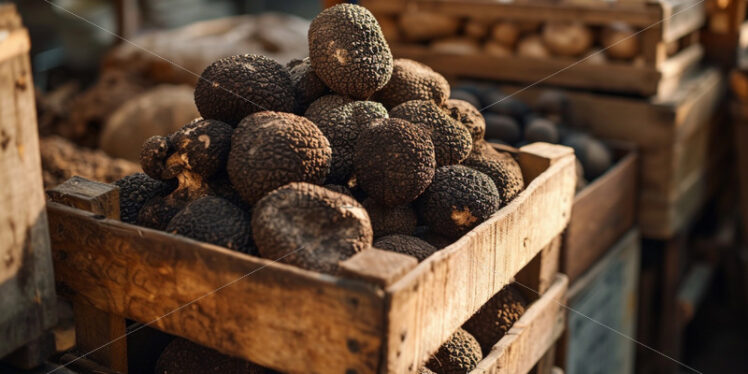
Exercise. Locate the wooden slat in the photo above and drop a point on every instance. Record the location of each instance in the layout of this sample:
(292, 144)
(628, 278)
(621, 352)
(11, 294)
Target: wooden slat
(531, 336)
(539, 274)
(26, 283)
(692, 291)
(442, 292)
(273, 314)
(378, 266)
(95, 197)
(602, 212)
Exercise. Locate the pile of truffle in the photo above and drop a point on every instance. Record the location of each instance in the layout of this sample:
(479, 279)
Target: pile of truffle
(511, 121)
(312, 162)
(446, 33)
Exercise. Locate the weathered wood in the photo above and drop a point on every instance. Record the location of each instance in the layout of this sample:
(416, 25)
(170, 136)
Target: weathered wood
(95, 197)
(378, 266)
(692, 290)
(541, 271)
(333, 323)
(546, 364)
(300, 321)
(26, 282)
(602, 212)
(604, 298)
(531, 336)
(462, 277)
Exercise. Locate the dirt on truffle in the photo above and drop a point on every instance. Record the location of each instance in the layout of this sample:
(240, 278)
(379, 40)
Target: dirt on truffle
(460, 354)
(310, 227)
(348, 51)
(271, 149)
(412, 80)
(492, 321)
(452, 140)
(394, 161)
(406, 244)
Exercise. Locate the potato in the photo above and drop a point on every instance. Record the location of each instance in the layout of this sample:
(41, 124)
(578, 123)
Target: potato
(423, 26)
(532, 46)
(620, 41)
(567, 38)
(506, 33)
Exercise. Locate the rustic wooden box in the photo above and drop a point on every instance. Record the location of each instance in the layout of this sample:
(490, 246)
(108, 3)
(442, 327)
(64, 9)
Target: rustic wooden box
(386, 315)
(602, 212)
(662, 25)
(681, 139)
(26, 281)
(607, 293)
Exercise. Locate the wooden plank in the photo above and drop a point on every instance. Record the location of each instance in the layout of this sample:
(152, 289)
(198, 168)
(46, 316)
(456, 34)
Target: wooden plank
(442, 292)
(602, 212)
(607, 295)
(693, 290)
(95, 197)
(273, 314)
(26, 282)
(539, 274)
(378, 266)
(531, 336)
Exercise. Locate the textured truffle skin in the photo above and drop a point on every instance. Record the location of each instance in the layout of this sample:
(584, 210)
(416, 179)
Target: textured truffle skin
(214, 220)
(310, 227)
(270, 149)
(158, 211)
(452, 141)
(348, 51)
(489, 324)
(153, 155)
(468, 116)
(391, 182)
(458, 199)
(200, 147)
(385, 220)
(342, 122)
(307, 85)
(406, 244)
(339, 188)
(182, 356)
(501, 167)
(458, 355)
(135, 190)
(237, 86)
(412, 80)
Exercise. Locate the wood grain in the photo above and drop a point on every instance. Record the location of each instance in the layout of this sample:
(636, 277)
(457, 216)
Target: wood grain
(378, 266)
(602, 212)
(442, 292)
(26, 282)
(531, 336)
(276, 315)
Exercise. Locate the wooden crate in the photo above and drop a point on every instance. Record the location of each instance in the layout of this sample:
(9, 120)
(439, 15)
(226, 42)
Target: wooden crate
(739, 114)
(662, 24)
(532, 335)
(604, 298)
(602, 212)
(26, 283)
(386, 315)
(681, 141)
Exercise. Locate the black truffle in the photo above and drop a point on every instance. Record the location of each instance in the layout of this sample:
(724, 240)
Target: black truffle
(348, 51)
(458, 199)
(452, 140)
(310, 227)
(182, 356)
(237, 86)
(541, 130)
(307, 85)
(489, 324)
(394, 161)
(135, 190)
(468, 116)
(406, 244)
(214, 220)
(501, 167)
(460, 354)
(386, 220)
(271, 149)
(412, 80)
(342, 122)
(504, 128)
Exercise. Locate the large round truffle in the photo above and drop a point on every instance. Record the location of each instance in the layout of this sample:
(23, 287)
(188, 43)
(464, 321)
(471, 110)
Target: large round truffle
(348, 51)
(214, 220)
(412, 80)
(386, 220)
(135, 190)
(460, 354)
(237, 86)
(307, 85)
(489, 324)
(310, 227)
(452, 140)
(182, 356)
(394, 161)
(469, 116)
(458, 199)
(501, 167)
(270, 149)
(406, 244)
(342, 121)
